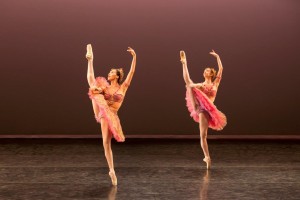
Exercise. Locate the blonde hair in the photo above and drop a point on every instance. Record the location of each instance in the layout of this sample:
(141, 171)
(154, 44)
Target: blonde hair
(213, 73)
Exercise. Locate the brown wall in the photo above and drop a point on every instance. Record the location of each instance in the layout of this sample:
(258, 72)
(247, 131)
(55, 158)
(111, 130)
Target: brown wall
(43, 65)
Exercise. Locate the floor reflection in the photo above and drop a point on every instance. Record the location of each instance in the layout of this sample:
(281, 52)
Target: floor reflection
(155, 169)
(204, 185)
(112, 193)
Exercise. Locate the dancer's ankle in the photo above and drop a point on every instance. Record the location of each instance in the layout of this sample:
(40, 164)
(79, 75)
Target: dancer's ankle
(207, 157)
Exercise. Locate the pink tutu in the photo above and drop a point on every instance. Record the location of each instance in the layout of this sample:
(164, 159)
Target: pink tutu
(216, 119)
(104, 111)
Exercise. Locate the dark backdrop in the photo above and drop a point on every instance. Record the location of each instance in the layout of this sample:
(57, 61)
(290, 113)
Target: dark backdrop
(43, 66)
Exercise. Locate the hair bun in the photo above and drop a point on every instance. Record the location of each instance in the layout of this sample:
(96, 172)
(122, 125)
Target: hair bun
(214, 72)
(121, 74)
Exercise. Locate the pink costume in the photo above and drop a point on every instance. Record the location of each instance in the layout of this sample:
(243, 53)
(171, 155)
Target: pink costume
(103, 101)
(200, 97)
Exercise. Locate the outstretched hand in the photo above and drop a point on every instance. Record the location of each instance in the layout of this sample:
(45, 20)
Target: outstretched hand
(89, 52)
(182, 57)
(213, 53)
(131, 51)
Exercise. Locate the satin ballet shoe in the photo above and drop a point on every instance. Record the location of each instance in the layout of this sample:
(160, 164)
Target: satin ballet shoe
(208, 162)
(113, 178)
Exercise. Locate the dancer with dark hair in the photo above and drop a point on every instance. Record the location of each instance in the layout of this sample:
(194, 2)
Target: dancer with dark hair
(200, 98)
(106, 99)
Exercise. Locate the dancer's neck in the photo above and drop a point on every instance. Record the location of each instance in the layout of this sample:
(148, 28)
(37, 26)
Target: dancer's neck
(114, 83)
(208, 81)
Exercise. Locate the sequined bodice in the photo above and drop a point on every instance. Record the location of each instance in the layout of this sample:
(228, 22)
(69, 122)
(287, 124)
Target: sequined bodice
(209, 90)
(112, 98)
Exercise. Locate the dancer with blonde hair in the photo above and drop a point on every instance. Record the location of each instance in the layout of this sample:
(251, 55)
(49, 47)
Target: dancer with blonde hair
(200, 98)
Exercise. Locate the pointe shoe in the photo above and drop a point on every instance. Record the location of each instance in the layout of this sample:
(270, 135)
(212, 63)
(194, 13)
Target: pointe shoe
(113, 178)
(89, 52)
(208, 162)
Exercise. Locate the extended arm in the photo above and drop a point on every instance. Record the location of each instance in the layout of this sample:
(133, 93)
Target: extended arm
(220, 66)
(90, 71)
(132, 68)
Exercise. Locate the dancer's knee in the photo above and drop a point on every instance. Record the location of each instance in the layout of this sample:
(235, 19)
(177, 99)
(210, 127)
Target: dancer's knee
(203, 137)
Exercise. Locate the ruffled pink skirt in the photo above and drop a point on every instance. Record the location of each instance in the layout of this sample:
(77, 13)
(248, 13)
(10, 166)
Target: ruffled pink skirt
(216, 119)
(104, 111)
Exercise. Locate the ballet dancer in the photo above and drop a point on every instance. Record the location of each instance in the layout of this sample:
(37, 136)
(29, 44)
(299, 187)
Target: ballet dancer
(200, 98)
(107, 98)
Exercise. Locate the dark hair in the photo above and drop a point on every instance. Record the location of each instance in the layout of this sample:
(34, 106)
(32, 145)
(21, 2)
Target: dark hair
(120, 74)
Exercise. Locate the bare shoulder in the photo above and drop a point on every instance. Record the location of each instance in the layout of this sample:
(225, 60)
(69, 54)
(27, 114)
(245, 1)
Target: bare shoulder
(124, 86)
(217, 81)
(198, 85)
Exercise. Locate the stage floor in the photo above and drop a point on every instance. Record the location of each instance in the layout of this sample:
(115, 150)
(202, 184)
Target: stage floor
(149, 169)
